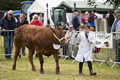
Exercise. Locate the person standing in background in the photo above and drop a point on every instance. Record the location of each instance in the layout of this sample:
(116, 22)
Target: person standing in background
(91, 21)
(77, 42)
(8, 22)
(78, 16)
(41, 18)
(21, 22)
(110, 19)
(97, 15)
(36, 22)
(69, 36)
(75, 21)
(116, 28)
(85, 18)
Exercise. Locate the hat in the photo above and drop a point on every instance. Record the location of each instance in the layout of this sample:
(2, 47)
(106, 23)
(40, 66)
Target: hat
(70, 25)
(117, 12)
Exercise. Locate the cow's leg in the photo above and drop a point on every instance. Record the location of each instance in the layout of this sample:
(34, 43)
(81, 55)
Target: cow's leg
(41, 61)
(57, 62)
(16, 54)
(30, 56)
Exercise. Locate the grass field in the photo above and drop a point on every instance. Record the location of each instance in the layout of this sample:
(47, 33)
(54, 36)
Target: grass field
(68, 70)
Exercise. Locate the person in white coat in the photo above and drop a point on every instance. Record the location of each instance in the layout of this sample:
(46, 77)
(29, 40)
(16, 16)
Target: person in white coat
(85, 49)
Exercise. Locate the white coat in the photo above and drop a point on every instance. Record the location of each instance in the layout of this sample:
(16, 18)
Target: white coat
(85, 49)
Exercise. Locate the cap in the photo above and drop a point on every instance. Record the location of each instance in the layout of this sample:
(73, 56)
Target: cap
(117, 12)
(70, 25)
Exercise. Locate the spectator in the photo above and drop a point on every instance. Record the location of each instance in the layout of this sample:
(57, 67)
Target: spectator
(75, 21)
(97, 16)
(36, 22)
(85, 51)
(116, 28)
(8, 23)
(85, 18)
(69, 36)
(20, 22)
(110, 19)
(41, 18)
(77, 42)
(78, 16)
(91, 21)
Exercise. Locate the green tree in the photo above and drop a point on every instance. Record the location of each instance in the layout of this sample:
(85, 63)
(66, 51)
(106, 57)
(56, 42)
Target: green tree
(115, 3)
(10, 4)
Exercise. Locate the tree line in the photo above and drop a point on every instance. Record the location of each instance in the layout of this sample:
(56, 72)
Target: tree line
(11, 4)
(15, 4)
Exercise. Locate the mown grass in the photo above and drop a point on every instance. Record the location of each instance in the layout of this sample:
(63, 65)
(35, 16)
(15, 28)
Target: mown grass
(68, 70)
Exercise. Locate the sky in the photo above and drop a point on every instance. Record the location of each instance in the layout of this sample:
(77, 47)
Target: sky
(54, 3)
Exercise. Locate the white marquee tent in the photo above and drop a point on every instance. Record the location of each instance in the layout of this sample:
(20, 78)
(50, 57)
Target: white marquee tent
(37, 7)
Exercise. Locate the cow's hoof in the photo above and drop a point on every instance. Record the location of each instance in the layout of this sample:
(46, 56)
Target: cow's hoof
(33, 69)
(57, 72)
(41, 72)
(13, 68)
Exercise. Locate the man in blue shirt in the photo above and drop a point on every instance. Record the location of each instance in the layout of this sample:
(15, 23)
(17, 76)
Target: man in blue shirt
(79, 19)
(8, 23)
(75, 21)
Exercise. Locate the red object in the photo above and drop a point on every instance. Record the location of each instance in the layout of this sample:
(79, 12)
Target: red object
(38, 23)
(97, 50)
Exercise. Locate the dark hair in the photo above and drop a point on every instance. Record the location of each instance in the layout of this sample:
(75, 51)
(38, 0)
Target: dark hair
(94, 10)
(90, 11)
(110, 11)
(86, 26)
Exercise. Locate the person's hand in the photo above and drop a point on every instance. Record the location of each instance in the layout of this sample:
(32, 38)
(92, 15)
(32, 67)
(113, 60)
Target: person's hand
(76, 35)
(90, 42)
(21, 21)
(3, 30)
(67, 37)
(15, 29)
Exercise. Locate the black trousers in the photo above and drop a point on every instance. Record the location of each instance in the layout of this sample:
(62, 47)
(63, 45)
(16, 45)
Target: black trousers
(81, 65)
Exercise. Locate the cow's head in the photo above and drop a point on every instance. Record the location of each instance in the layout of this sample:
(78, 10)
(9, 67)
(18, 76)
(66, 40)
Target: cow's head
(58, 35)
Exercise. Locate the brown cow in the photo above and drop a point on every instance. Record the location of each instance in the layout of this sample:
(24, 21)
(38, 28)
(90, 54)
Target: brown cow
(40, 39)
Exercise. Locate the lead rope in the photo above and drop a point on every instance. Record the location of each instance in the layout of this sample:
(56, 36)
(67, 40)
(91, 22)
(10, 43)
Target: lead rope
(57, 37)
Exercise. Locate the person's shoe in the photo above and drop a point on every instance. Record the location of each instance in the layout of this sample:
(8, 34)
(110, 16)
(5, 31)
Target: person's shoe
(19, 56)
(23, 53)
(81, 73)
(71, 58)
(92, 73)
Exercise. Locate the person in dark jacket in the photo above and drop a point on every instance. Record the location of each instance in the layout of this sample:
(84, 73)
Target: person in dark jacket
(21, 22)
(75, 21)
(110, 19)
(8, 23)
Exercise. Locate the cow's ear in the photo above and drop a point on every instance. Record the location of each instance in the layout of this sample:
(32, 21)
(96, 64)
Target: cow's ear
(52, 29)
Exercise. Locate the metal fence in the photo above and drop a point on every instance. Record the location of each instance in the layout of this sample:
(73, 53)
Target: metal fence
(115, 51)
(103, 56)
(6, 43)
(6, 40)
(69, 50)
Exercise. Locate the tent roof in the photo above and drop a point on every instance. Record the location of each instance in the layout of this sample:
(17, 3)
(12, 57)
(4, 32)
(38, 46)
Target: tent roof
(37, 7)
(82, 5)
